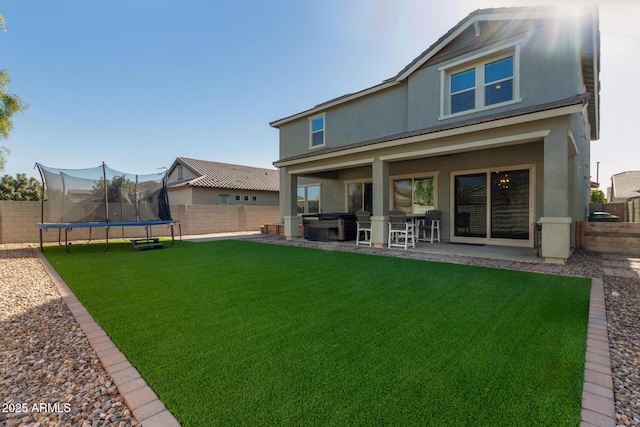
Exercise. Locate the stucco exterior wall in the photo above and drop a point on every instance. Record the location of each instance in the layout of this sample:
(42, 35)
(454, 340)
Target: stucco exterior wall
(181, 195)
(18, 222)
(538, 61)
(211, 196)
(380, 114)
(580, 172)
(180, 173)
(549, 70)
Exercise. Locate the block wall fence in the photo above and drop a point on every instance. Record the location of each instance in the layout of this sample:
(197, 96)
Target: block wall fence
(18, 222)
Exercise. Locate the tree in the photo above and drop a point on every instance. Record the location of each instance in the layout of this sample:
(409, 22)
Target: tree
(20, 188)
(10, 105)
(119, 190)
(597, 196)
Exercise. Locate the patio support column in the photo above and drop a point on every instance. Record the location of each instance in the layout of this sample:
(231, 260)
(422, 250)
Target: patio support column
(380, 214)
(556, 221)
(289, 204)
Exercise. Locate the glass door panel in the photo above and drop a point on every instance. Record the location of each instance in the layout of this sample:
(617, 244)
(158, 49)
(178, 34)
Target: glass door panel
(510, 204)
(360, 196)
(368, 197)
(354, 199)
(471, 205)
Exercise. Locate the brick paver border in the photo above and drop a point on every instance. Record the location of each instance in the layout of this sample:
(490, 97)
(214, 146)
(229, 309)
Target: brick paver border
(138, 396)
(598, 407)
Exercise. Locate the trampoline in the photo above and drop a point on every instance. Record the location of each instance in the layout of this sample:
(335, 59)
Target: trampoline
(103, 198)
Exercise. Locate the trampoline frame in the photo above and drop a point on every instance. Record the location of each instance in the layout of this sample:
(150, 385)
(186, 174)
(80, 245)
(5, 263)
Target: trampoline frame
(69, 226)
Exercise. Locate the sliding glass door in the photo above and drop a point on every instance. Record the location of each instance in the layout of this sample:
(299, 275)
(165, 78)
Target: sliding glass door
(510, 205)
(470, 218)
(493, 205)
(360, 197)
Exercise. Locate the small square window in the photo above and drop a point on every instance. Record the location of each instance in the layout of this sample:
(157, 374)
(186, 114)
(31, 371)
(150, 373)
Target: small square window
(237, 198)
(246, 198)
(255, 198)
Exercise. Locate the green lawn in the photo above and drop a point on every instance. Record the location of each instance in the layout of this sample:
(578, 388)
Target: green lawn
(245, 333)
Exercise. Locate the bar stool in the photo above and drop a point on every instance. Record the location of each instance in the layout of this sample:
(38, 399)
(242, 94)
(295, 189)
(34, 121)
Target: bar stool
(431, 223)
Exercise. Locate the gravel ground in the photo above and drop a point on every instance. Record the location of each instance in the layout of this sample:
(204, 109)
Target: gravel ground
(50, 376)
(622, 298)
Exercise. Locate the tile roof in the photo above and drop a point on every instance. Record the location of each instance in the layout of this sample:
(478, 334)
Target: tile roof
(224, 175)
(626, 185)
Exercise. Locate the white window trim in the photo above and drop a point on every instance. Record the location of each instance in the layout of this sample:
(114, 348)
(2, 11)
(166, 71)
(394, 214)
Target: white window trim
(484, 57)
(324, 131)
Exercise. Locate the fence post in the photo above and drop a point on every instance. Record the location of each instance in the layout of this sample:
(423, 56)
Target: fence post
(580, 235)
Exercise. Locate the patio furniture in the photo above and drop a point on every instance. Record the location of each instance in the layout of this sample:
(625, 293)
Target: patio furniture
(463, 221)
(401, 232)
(363, 225)
(431, 222)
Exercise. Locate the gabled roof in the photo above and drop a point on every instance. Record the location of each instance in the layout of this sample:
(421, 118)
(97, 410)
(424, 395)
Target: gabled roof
(224, 175)
(590, 51)
(626, 185)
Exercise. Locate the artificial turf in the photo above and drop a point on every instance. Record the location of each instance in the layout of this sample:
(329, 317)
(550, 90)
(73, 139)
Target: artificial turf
(245, 333)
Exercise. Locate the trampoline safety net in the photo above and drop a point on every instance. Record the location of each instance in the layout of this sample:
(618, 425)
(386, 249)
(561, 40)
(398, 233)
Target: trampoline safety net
(101, 194)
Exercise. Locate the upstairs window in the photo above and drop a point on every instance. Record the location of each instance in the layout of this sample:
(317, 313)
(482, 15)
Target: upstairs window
(463, 91)
(317, 131)
(498, 81)
(480, 82)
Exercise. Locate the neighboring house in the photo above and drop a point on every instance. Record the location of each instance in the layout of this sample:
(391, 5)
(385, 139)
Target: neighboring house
(625, 186)
(201, 182)
(492, 123)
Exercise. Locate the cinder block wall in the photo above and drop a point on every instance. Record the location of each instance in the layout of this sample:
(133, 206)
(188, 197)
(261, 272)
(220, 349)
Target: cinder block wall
(204, 219)
(18, 222)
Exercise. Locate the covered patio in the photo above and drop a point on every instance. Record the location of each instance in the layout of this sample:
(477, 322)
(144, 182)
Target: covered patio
(505, 174)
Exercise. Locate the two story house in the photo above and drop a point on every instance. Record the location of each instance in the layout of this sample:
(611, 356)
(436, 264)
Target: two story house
(491, 125)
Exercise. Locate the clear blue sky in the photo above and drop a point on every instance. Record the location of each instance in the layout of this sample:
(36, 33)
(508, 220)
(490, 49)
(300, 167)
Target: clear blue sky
(138, 83)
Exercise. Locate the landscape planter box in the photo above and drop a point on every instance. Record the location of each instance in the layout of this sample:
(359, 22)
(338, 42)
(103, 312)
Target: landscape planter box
(275, 228)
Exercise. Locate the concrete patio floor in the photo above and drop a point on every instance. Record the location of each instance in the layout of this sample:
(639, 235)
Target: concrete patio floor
(479, 251)
(508, 253)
